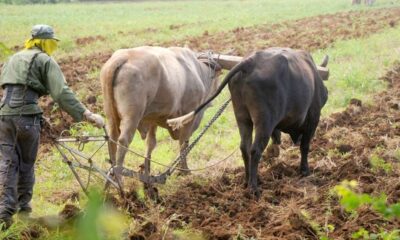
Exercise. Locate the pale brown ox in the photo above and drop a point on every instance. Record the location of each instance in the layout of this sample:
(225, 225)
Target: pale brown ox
(145, 86)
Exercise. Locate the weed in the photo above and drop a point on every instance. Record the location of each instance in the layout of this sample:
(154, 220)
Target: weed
(379, 163)
(397, 154)
(351, 200)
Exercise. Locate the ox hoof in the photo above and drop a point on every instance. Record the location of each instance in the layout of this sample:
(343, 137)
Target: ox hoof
(117, 176)
(256, 194)
(253, 194)
(152, 193)
(305, 172)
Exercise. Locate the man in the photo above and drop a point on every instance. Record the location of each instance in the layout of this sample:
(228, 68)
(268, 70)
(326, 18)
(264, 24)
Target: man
(28, 75)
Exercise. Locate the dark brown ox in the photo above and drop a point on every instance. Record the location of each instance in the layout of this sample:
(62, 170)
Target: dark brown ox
(145, 86)
(278, 89)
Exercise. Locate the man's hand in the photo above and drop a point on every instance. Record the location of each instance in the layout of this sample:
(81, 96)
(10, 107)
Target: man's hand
(94, 118)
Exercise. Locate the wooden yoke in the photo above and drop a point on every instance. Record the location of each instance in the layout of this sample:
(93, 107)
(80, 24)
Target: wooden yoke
(228, 62)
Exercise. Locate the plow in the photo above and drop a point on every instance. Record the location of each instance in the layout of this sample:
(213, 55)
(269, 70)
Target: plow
(75, 157)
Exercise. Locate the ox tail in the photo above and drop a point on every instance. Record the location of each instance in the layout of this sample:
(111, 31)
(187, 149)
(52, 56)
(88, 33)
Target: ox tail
(178, 122)
(108, 78)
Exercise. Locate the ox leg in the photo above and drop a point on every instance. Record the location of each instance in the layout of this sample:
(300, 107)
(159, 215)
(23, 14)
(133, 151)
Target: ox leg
(245, 130)
(305, 147)
(273, 149)
(184, 136)
(113, 132)
(151, 144)
(245, 125)
(183, 163)
(128, 128)
(260, 142)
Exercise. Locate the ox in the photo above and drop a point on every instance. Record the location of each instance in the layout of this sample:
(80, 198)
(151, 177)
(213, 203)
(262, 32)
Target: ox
(366, 2)
(145, 86)
(278, 89)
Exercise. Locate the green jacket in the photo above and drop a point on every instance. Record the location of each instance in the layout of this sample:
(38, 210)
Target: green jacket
(45, 78)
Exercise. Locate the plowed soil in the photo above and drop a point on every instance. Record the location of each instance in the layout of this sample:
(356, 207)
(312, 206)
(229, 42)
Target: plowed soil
(341, 150)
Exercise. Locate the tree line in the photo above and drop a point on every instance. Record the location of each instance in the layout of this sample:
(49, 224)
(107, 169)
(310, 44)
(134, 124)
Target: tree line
(20, 2)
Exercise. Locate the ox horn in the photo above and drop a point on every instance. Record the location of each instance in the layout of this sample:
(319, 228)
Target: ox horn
(322, 69)
(325, 61)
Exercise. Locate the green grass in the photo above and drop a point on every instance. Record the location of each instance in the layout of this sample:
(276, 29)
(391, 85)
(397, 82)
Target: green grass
(141, 23)
(356, 66)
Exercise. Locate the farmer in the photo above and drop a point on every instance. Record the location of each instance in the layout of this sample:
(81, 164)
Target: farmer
(28, 75)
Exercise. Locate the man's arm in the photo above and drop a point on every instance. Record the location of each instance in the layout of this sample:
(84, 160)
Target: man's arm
(63, 95)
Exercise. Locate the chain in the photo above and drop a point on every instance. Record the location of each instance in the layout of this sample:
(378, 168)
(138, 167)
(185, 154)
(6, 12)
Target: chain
(186, 151)
(169, 166)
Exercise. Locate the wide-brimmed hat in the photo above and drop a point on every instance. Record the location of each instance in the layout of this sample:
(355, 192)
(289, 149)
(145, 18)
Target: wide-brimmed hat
(42, 31)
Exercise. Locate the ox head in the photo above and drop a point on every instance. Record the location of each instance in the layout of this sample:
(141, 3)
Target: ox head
(214, 68)
(208, 59)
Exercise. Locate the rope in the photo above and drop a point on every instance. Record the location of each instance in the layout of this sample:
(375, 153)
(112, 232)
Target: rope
(169, 166)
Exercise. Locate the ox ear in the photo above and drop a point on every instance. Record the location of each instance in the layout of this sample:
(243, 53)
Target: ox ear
(213, 65)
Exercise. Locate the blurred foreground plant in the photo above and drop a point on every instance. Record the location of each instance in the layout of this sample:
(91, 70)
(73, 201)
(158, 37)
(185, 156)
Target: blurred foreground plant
(100, 221)
(351, 201)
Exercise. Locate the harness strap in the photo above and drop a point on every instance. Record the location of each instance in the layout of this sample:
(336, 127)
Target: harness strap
(18, 95)
(3, 99)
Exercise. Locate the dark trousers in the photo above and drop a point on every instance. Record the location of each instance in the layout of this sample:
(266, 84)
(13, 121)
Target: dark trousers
(19, 142)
